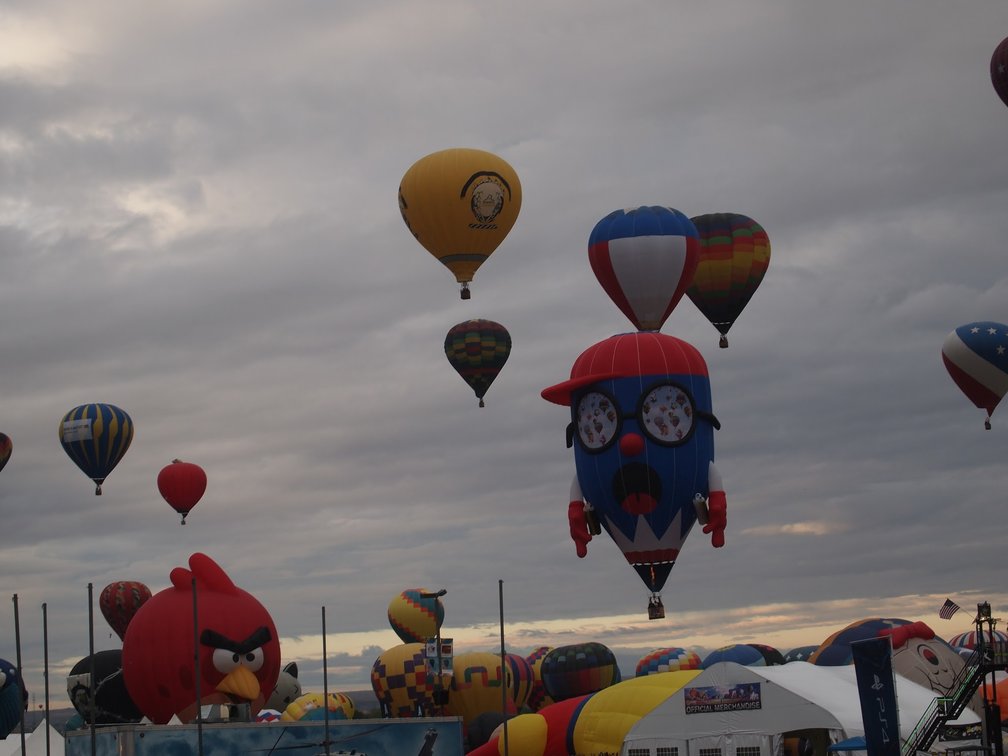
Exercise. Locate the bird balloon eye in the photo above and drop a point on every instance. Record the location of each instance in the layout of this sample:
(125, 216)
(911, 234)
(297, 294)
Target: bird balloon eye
(225, 660)
(254, 659)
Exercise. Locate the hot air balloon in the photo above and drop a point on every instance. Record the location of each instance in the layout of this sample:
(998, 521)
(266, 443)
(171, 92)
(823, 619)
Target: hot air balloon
(976, 356)
(746, 654)
(415, 614)
(673, 659)
(918, 654)
(569, 671)
(520, 678)
(119, 601)
(182, 485)
(13, 698)
(112, 702)
(309, 707)
(460, 204)
(478, 349)
(238, 653)
(95, 437)
(6, 447)
(999, 70)
(402, 682)
(537, 697)
(642, 428)
(969, 639)
(476, 686)
(644, 258)
(734, 256)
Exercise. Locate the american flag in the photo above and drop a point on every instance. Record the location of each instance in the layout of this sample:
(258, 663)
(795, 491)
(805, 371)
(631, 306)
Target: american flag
(949, 608)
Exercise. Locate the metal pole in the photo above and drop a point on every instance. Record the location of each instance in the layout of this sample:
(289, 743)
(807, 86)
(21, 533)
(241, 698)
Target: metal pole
(17, 646)
(504, 691)
(196, 671)
(91, 667)
(45, 671)
(325, 683)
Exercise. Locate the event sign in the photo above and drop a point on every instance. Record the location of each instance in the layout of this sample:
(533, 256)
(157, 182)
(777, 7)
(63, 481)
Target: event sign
(877, 690)
(710, 698)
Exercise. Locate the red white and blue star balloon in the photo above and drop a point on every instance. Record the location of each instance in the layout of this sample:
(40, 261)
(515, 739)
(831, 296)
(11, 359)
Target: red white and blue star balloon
(976, 356)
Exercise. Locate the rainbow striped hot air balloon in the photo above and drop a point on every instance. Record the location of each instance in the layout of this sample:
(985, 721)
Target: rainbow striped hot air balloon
(734, 257)
(95, 437)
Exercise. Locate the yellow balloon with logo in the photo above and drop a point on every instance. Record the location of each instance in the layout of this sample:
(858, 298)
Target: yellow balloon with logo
(460, 203)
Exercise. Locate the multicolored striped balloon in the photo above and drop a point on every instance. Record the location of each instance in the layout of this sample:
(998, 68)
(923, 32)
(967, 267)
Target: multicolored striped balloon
(671, 659)
(976, 356)
(95, 437)
(734, 257)
(969, 639)
(478, 349)
(569, 671)
(644, 258)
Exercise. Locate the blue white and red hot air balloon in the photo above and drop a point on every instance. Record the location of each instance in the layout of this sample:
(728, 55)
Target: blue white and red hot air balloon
(645, 259)
(976, 356)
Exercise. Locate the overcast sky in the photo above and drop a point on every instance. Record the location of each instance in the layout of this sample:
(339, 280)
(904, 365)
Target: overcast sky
(199, 224)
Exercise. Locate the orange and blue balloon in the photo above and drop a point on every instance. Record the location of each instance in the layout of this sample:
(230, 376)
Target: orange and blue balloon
(95, 437)
(644, 258)
(976, 356)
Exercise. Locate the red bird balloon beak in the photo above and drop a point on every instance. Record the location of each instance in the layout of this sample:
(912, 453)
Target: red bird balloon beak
(240, 682)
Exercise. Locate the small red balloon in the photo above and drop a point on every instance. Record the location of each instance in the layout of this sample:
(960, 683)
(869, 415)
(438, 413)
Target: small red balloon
(119, 601)
(182, 485)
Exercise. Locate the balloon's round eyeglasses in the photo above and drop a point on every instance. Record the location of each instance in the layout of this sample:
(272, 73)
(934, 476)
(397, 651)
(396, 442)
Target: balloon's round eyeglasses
(666, 414)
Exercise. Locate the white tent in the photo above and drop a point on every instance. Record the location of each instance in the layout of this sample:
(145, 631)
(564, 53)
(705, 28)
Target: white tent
(760, 705)
(35, 742)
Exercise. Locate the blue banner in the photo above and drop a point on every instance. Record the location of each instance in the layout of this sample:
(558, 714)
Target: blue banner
(877, 690)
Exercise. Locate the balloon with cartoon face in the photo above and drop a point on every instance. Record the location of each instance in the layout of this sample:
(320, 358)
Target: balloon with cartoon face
(642, 429)
(918, 654)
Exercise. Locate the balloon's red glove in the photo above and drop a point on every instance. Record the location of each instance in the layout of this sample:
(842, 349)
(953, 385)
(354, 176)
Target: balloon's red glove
(717, 518)
(578, 527)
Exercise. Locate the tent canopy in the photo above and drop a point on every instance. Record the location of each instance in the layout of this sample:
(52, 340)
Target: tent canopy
(780, 699)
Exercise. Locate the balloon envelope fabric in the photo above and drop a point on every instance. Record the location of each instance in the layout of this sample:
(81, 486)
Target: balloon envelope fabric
(478, 349)
(569, 671)
(644, 258)
(95, 437)
(976, 356)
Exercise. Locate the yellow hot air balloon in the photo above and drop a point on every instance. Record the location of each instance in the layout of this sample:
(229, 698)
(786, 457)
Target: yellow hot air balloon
(460, 203)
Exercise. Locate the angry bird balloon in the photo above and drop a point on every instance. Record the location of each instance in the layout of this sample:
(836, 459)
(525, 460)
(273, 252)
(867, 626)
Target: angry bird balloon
(642, 429)
(239, 652)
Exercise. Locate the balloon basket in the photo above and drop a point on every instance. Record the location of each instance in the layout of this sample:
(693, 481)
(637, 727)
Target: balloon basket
(723, 342)
(656, 609)
(464, 292)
